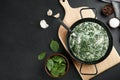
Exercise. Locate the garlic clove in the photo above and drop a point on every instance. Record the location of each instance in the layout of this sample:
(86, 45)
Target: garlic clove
(57, 15)
(49, 12)
(43, 24)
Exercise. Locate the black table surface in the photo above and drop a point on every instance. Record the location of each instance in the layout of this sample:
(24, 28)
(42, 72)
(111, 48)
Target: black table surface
(22, 39)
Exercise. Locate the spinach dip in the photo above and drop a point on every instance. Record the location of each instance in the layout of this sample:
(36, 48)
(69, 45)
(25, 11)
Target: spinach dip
(88, 41)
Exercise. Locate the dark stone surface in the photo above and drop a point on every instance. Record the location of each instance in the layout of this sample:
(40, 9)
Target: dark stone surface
(22, 39)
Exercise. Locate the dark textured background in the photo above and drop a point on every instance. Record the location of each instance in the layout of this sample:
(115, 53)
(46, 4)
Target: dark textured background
(22, 39)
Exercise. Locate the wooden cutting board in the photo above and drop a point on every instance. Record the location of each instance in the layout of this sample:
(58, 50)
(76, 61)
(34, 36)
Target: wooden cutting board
(71, 16)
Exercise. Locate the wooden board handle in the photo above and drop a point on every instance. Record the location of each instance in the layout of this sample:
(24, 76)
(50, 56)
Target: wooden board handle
(65, 4)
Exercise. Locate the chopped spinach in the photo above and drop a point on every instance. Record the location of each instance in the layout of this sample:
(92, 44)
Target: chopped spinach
(91, 41)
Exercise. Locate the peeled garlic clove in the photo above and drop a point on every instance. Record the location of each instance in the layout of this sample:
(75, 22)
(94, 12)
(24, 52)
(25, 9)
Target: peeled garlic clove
(49, 12)
(57, 15)
(43, 24)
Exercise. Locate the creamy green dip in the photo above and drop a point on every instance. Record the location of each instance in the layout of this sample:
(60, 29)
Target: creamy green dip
(88, 41)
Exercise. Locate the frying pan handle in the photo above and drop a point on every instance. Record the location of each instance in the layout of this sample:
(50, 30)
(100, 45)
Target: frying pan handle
(96, 70)
(86, 9)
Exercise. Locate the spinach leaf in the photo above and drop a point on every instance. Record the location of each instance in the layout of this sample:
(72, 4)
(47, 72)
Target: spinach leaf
(41, 56)
(62, 68)
(54, 46)
(55, 71)
(59, 59)
(50, 64)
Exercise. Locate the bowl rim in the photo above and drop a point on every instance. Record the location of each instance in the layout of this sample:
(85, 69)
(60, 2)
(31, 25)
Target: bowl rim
(57, 54)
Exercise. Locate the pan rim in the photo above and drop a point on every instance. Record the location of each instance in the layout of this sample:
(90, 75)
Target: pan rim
(107, 31)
